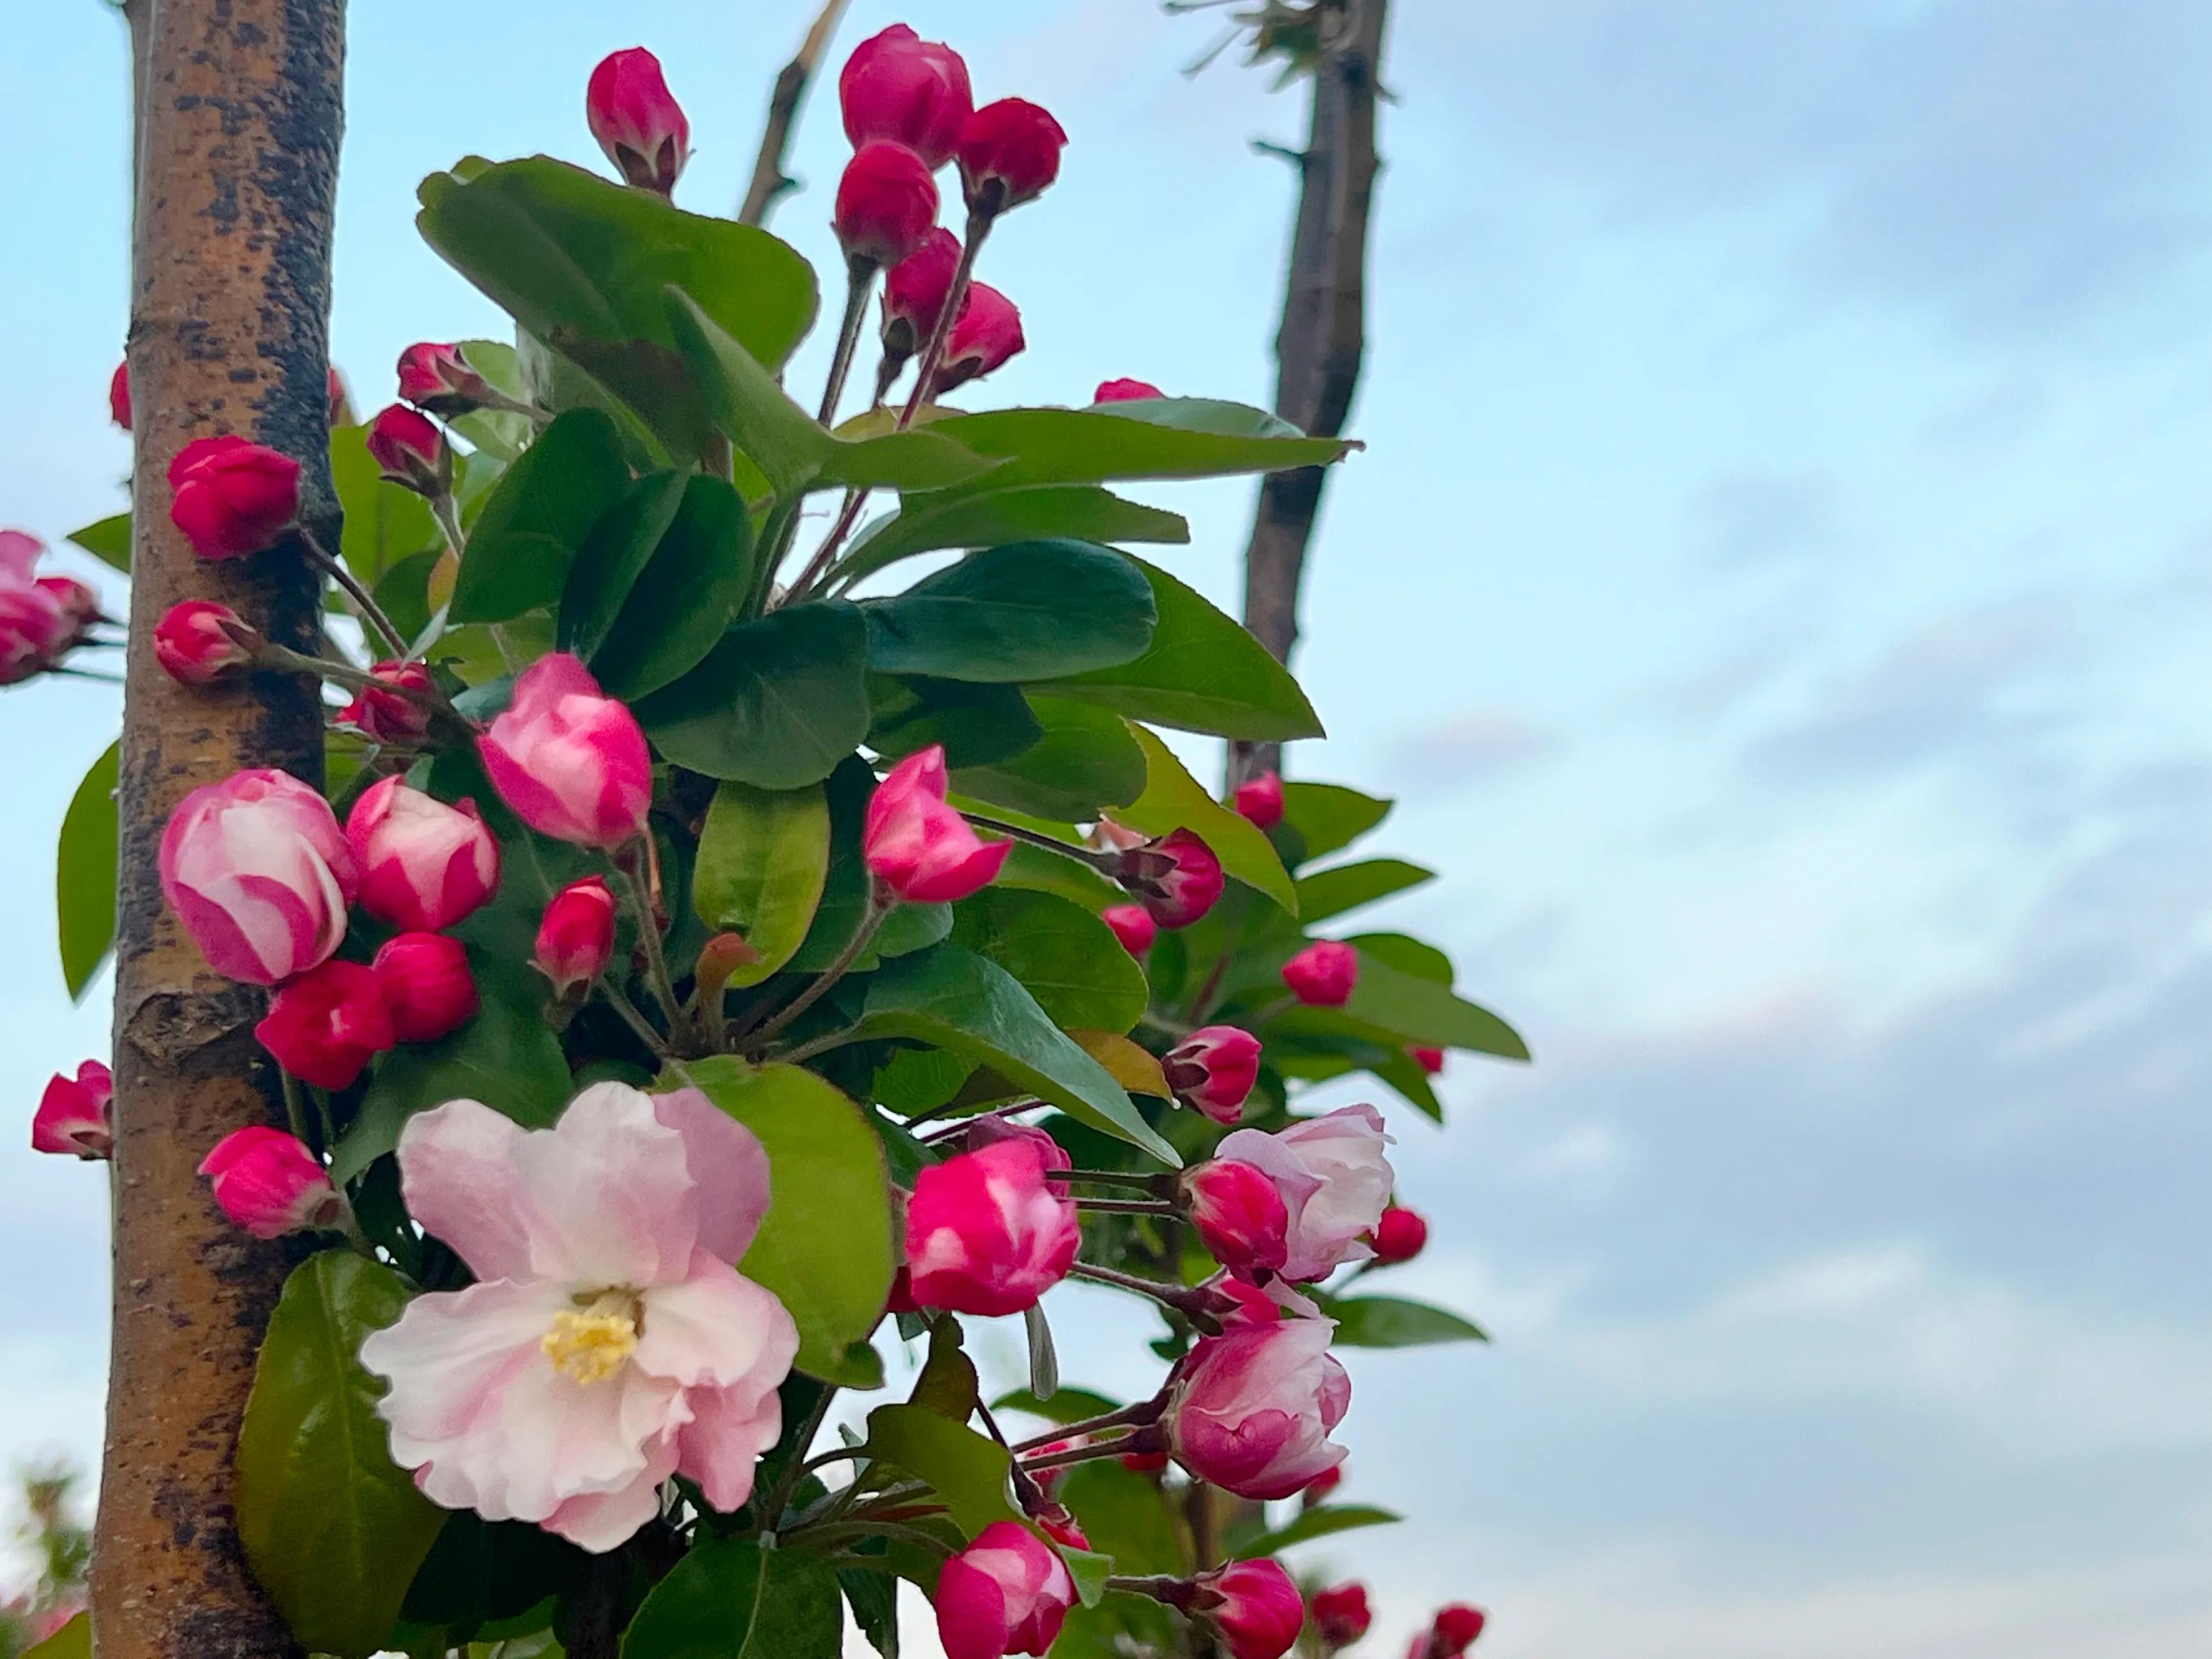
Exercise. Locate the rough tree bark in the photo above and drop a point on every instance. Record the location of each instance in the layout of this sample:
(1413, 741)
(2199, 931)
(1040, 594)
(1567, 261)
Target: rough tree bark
(1322, 338)
(769, 180)
(237, 153)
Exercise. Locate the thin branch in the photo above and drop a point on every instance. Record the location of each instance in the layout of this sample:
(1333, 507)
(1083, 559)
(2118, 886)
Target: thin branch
(769, 182)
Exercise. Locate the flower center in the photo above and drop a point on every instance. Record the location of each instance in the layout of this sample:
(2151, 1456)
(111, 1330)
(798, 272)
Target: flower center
(596, 1341)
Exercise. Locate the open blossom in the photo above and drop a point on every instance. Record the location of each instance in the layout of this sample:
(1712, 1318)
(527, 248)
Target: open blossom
(571, 761)
(985, 1233)
(1008, 1592)
(917, 846)
(259, 872)
(637, 121)
(269, 1183)
(1341, 1614)
(610, 1341)
(1251, 1409)
(232, 497)
(76, 1115)
(914, 91)
(1260, 799)
(391, 715)
(1177, 879)
(1212, 1071)
(41, 616)
(576, 936)
(1252, 1606)
(1323, 975)
(1335, 1181)
(324, 1026)
(424, 864)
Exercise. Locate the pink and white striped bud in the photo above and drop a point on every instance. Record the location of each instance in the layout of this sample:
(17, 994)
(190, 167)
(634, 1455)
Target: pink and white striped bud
(1239, 1214)
(637, 121)
(76, 1115)
(199, 642)
(1212, 1071)
(576, 937)
(570, 760)
(1008, 1592)
(428, 986)
(1177, 879)
(985, 1233)
(992, 1131)
(269, 1183)
(1335, 1181)
(324, 1026)
(1251, 1410)
(1323, 975)
(920, 849)
(260, 875)
(424, 864)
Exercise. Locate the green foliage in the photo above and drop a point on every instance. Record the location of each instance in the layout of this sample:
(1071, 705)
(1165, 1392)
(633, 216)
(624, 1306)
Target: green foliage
(1324, 1521)
(1082, 762)
(1173, 799)
(536, 521)
(997, 517)
(778, 703)
(84, 873)
(383, 524)
(730, 1598)
(107, 540)
(1068, 958)
(1020, 612)
(1390, 1321)
(764, 858)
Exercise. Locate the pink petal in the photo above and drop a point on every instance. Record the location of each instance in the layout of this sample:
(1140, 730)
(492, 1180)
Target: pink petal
(457, 1174)
(716, 1328)
(599, 1521)
(729, 1431)
(728, 1167)
(607, 1192)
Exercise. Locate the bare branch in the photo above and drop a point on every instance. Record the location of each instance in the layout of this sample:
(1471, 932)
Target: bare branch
(770, 182)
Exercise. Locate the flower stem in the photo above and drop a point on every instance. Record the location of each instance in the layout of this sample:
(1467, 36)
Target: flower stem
(860, 279)
(979, 226)
(1136, 1416)
(819, 566)
(1140, 1440)
(632, 866)
(1124, 1206)
(449, 520)
(637, 1022)
(371, 611)
(871, 920)
(1037, 838)
(795, 1471)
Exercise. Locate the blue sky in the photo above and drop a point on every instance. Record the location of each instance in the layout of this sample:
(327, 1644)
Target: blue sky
(1778, 587)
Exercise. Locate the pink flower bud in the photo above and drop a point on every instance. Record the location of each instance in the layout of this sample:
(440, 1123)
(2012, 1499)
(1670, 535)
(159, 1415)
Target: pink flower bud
(1399, 1236)
(1321, 1486)
(269, 1183)
(119, 395)
(76, 1115)
(1323, 974)
(914, 91)
(914, 294)
(886, 203)
(1431, 1061)
(985, 1232)
(637, 121)
(41, 617)
(324, 1026)
(199, 641)
(571, 762)
(1341, 1614)
(993, 1131)
(427, 988)
(1133, 925)
(1145, 1463)
(424, 864)
(408, 449)
(576, 938)
(260, 875)
(987, 334)
(1452, 1633)
(1335, 1180)
(1252, 1606)
(1177, 878)
(1212, 1070)
(1007, 1592)
(1125, 391)
(1260, 799)
(1061, 1527)
(231, 497)
(390, 717)
(1239, 1216)
(437, 378)
(1251, 1410)
(1009, 153)
(918, 848)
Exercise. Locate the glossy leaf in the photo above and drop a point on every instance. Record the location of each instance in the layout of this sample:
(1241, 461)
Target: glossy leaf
(611, 559)
(1083, 760)
(1390, 1321)
(333, 1530)
(1173, 799)
(873, 1598)
(1421, 1011)
(730, 1598)
(1327, 817)
(1019, 612)
(1124, 1514)
(763, 855)
(1068, 1405)
(976, 725)
(84, 873)
(776, 704)
(384, 522)
(107, 540)
(923, 524)
(969, 1470)
(1063, 955)
(1323, 1521)
(1128, 1063)
(845, 891)
(1091, 446)
(404, 593)
(1406, 954)
(681, 603)
(531, 527)
(1332, 892)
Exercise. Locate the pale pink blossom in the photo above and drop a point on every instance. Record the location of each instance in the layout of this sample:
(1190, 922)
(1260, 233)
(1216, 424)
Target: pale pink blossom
(1251, 1410)
(1335, 1181)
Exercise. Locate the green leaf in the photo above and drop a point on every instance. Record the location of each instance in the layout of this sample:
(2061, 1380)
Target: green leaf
(107, 540)
(1316, 1044)
(611, 559)
(825, 1247)
(1035, 868)
(1332, 892)
(730, 1598)
(1084, 446)
(332, 1529)
(777, 704)
(404, 594)
(1024, 611)
(1390, 1321)
(1421, 1011)
(1327, 816)
(84, 873)
(1066, 1406)
(966, 1003)
(978, 725)
(689, 592)
(762, 858)
(384, 522)
(1202, 672)
(874, 1597)
(1063, 955)
(583, 264)
(1317, 1523)
(528, 533)
(969, 1470)
(1083, 759)
(1173, 799)
(925, 524)
(1124, 1514)
(72, 1641)
(1407, 955)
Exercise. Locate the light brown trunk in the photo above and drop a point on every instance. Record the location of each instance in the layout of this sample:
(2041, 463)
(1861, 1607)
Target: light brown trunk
(237, 152)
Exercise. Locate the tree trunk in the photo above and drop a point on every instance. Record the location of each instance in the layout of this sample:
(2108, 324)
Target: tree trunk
(1323, 333)
(237, 163)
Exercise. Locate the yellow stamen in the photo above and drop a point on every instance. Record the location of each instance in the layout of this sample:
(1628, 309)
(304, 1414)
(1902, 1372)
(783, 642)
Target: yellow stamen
(593, 1345)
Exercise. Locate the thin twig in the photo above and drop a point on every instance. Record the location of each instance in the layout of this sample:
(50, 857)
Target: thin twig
(769, 182)
(871, 920)
(371, 611)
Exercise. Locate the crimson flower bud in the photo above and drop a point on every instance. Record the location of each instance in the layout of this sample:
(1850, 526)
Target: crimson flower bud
(1061, 1527)
(424, 864)
(1145, 1463)
(231, 497)
(570, 760)
(1177, 878)
(917, 846)
(428, 986)
(1252, 1606)
(1009, 153)
(1212, 1070)
(901, 1297)
(576, 938)
(438, 377)
(260, 875)
(41, 616)
(1251, 1409)
(638, 124)
(993, 1131)
(1132, 925)
(985, 1233)
(76, 1115)
(986, 334)
(1239, 1214)
(1318, 1488)
(199, 642)
(886, 203)
(1240, 1303)
(1008, 1592)
(915, 92)
(1260, 800)
(323, 1025)
(1334, 1179)
(269, 1183)
(1341, 1613)
(1399, 1236)
(119, 395)
(390, 717)
(1125, 391)
(408, 449)
(1454, 1631)
(1323, 974)
(914, 294)
(1431, 1061)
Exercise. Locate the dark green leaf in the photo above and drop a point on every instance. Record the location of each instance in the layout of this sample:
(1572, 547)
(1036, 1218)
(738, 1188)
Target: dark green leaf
(762, 857)
(1406, 954)
(777, 704)
(84, 873)
(978, 725)
(948, 1383)
(1173, 799)
(384, 522)
(1317, 1523)
(874, 1597)
(1043, 871)
(925, 524)
(1327, 816)
(1421, 1011)
(482, 1572)
(968, 1471)
(1332, 892)
(613, 556)
(1024, 611)
(1204, 415)
(404, 595)
(107, 540)
(730, 1598)
(1063, 955)
(1390, 1321)
(687, 595)
(1082, 445)
(333, 1530)
(1083, 760)
(529, 529)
